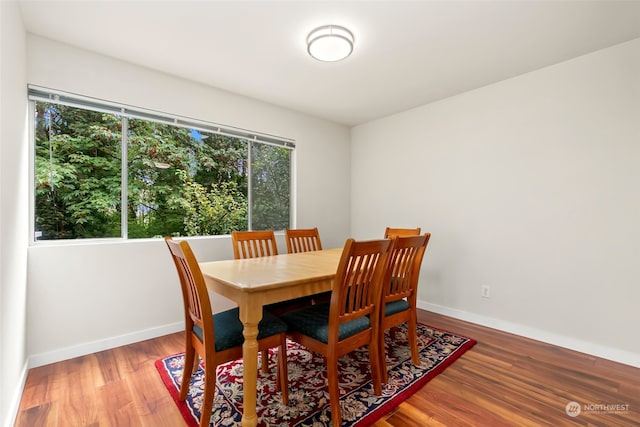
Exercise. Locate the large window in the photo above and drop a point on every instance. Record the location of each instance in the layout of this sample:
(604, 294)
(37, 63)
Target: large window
(108, 171)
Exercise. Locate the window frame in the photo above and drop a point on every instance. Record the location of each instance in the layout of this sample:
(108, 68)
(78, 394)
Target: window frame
(42, 94)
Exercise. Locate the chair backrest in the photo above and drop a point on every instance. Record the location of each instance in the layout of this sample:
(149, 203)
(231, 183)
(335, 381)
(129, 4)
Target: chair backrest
(401, 232)
(194, 289)
(357, 285)
(183, 284)
(405, 260)
(253, 244)
(302, 240)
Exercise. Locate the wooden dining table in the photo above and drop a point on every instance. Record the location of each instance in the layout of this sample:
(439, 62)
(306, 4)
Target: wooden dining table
(255, 282)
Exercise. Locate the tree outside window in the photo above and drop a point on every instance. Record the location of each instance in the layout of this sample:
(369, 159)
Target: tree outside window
(180, 181)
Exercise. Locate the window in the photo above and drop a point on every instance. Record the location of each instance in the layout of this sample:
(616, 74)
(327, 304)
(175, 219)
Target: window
(108, 171)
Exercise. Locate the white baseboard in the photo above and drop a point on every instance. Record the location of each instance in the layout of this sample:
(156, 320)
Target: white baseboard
(41, 359)
(14, 405)
(604, 352)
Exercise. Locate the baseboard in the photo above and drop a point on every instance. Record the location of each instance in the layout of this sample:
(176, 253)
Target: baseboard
(604, 352)
(14, 406)
(105, 344)
(616, 355)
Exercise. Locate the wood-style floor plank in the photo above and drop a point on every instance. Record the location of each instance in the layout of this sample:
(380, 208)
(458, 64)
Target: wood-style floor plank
(505, 380)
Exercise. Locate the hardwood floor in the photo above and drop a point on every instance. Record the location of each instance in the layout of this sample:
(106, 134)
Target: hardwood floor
(505, 380)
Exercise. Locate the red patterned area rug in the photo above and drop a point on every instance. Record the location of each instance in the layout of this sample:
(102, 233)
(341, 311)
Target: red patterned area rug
(308, 394)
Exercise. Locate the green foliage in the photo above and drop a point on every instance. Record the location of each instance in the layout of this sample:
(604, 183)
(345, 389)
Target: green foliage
(179, 181)
(219, 209)
(270, 186)
(77, 180)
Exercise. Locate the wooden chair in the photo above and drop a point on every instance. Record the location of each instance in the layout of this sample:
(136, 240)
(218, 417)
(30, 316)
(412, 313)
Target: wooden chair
(253, 244)
(401, 232)
(302, 240)
(399, 293)
(306, 240)
(217, 338)
(351, 319)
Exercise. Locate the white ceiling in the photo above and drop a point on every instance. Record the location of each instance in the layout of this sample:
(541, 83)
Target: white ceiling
(406, 53)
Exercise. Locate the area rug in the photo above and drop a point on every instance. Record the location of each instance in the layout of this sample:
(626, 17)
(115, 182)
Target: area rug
(308, 394)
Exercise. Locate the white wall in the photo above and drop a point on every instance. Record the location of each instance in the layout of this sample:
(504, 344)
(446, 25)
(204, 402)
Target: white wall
(86, 297)
(530, 186)
(13, 210)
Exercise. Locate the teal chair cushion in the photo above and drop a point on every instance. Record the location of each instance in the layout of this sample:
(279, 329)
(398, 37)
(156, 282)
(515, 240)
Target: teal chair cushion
(313, 321)
(395, 307)
(228, 328)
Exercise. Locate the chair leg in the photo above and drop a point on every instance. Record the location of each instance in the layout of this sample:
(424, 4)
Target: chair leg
(187, 370)
(374, 360)
(196, 362)
(265, 361)
(209, 391)
(334, 390)
(412, 333)
(383, 358)
(283, 374)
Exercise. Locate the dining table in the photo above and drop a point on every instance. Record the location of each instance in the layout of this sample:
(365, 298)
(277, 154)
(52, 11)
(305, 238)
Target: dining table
(255, 282)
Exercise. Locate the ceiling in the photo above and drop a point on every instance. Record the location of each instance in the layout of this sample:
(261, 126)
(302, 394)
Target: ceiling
(406, 54)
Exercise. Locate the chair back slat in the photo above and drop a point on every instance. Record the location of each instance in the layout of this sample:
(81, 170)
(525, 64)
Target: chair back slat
(401, 232)
(254, 244)
(356, 290)
(403, 273)
(302, 240)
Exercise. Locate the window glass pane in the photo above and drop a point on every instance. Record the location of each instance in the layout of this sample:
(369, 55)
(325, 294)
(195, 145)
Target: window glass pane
(270, 186)
(184, 182)
(77, 173)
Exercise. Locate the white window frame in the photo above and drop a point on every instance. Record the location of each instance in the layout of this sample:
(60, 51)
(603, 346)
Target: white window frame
(38, 93)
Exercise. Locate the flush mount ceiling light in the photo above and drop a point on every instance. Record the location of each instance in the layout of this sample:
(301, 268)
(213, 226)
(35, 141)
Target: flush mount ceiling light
(330, 43)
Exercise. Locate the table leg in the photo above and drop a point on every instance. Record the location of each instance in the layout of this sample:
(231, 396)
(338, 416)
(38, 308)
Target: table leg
(250, 317)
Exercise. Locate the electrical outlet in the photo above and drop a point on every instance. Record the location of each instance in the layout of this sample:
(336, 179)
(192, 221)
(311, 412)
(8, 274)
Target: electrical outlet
(485, 291)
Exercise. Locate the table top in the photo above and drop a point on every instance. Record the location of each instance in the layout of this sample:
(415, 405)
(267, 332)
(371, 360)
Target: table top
(259, 274)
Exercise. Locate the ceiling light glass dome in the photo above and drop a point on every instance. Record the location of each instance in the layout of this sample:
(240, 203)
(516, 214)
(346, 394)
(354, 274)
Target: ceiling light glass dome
(330, 43)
